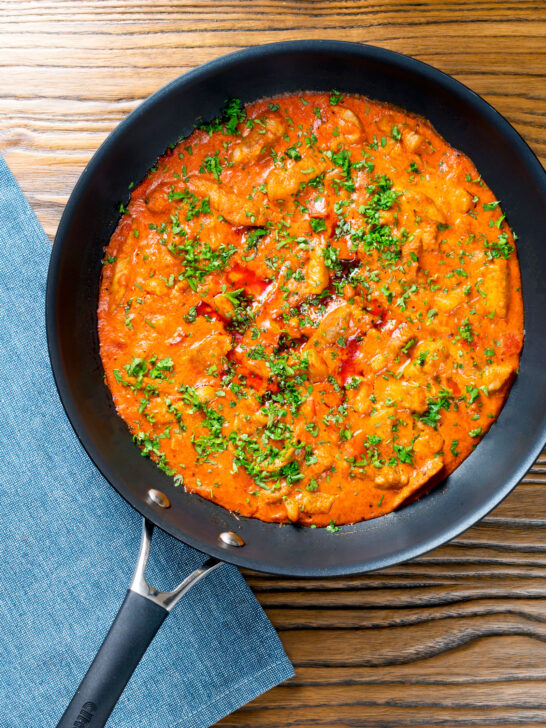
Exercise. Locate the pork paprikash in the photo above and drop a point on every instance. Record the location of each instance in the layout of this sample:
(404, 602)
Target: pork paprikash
(310, 310)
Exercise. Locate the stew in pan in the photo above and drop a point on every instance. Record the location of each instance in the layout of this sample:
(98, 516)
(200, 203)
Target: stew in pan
(310, 310)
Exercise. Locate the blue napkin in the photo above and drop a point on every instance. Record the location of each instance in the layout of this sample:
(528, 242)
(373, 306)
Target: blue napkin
(68, 547)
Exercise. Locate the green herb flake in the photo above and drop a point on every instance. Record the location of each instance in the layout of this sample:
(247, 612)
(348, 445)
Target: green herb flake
(336, 98)
(318, 224)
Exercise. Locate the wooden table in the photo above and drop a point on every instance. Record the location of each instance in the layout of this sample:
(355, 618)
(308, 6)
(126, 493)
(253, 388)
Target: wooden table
(457, 637)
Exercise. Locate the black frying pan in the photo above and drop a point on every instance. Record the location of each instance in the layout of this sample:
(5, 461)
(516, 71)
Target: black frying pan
(488, 475)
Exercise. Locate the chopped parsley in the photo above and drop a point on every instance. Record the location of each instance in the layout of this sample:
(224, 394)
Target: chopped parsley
(499, 248)
(318, 224)
(212, 164)
(466, 332)
(200, 259)
(150, 446)
(432, 415)
(232, 115)
(378, 236)
(293, 153)
(405, 454)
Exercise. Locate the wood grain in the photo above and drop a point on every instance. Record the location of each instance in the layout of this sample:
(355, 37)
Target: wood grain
(457, 637)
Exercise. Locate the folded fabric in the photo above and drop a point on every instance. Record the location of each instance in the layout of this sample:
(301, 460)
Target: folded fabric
(69, 545)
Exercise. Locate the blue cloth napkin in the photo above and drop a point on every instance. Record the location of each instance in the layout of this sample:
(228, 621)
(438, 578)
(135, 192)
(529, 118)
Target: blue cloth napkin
(68, 546)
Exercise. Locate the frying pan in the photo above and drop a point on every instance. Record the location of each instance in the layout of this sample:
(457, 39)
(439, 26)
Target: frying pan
(508, 166)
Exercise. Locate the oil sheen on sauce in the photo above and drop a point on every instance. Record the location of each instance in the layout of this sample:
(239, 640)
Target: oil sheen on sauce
(310, 310)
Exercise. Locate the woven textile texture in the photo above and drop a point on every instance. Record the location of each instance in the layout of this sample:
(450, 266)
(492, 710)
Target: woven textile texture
(69, 544)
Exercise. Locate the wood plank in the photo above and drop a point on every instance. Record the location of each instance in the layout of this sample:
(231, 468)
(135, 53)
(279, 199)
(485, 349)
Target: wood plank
(458, 636)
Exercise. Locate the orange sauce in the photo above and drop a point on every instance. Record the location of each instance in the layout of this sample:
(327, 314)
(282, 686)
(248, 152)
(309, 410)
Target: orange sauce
(310, 310)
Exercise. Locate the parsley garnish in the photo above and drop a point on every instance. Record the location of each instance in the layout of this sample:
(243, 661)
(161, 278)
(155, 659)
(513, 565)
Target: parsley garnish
(293, 153)
(499, 248)
(253, 237)
(378, 236)
(191, 316)
(149, 444)
(405, 454)
(212, 164)
(336, 98)
(232, 114)
(434, 404)
(465, 330)
(318, 224)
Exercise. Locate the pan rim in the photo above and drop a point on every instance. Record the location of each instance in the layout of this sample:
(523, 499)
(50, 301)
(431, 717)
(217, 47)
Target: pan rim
(397, 556)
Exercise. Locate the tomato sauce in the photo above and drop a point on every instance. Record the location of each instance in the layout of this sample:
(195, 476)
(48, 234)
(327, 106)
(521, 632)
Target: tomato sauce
(310, 310)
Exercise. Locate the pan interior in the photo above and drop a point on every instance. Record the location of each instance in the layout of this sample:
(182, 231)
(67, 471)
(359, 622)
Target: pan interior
(467, 123)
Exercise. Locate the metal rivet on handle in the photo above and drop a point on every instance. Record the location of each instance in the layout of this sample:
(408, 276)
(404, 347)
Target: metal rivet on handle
(231, 539)
(158, 498)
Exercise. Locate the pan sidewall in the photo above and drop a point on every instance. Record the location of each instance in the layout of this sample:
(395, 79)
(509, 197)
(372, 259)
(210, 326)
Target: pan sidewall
(468, 123)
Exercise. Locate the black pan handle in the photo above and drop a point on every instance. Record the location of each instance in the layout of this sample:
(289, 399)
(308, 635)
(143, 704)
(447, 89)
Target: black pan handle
(142, 613)
(132, 631)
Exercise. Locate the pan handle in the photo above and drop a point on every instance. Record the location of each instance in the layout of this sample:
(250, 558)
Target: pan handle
(142, 613)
